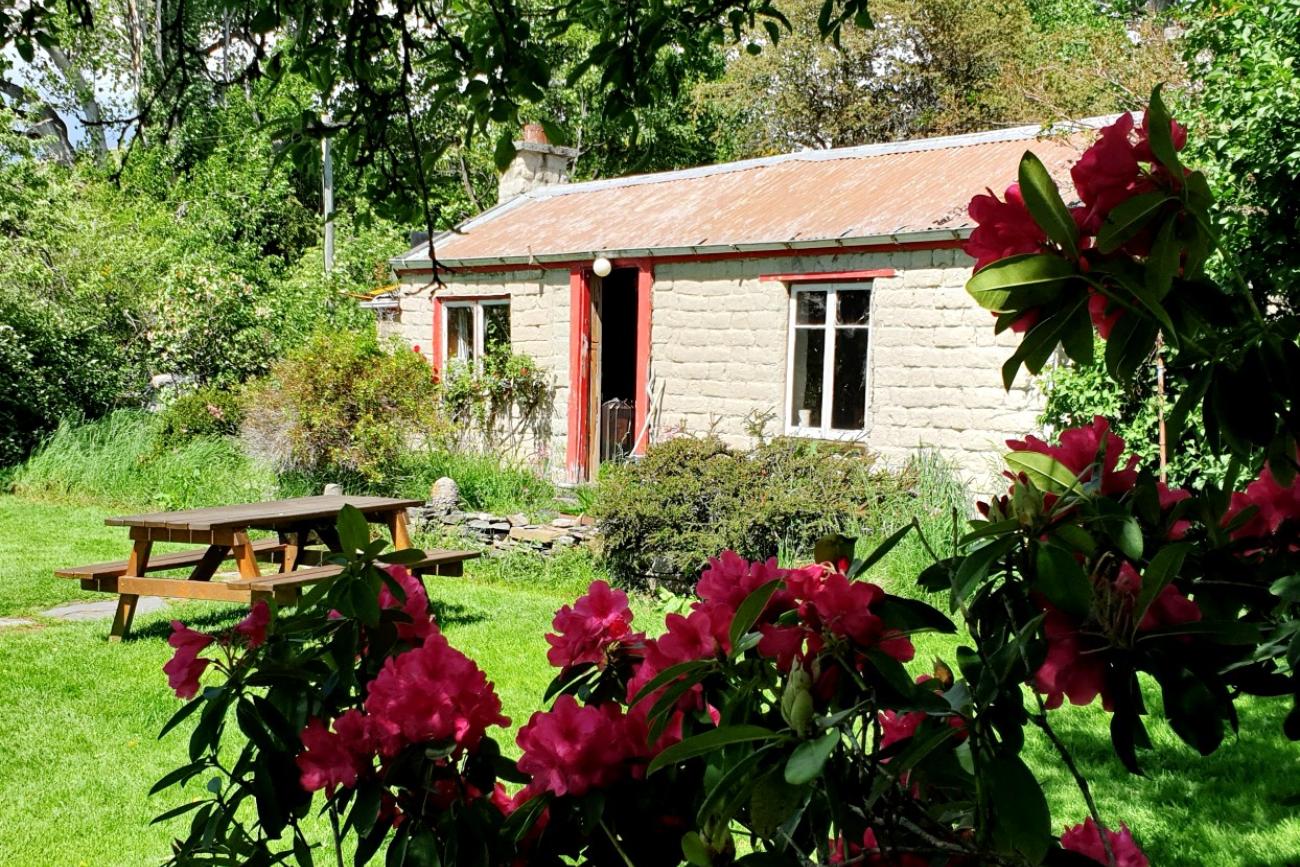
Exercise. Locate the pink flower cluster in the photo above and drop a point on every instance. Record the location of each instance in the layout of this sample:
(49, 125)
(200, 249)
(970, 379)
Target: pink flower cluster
(1118, 166)
(1275, 505)
(185, 667)
(571, 749)
(868, 854)
(1084, 450)
(431, 694)
(591, 628)
(415, 606)
(1085, 839)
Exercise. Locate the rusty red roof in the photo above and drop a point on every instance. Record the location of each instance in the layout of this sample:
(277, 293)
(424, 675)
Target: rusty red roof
(905, 191)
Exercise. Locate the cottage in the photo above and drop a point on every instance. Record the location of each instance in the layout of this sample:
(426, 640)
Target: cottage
(819, 294)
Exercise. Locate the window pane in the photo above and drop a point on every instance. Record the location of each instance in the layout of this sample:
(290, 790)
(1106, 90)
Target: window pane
(496, 326)
(809, 357)
(855, 306)
(460, 333)
(849, 407)
(810, 308)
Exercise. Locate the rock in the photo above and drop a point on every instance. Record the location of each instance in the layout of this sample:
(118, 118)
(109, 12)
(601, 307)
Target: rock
(564, 521)
(518, 520)
(501, 526)
(453, 518)
(537, 535)
(333, 490)
(445, 490)
(479, 524)
(564, 541)
(586, 520)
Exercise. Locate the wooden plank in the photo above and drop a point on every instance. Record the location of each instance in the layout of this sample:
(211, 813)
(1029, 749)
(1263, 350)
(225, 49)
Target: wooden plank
(270, 514)
(247, 560)
(443, 562)
(183, 588)
(293, 579)
(264, 548)
(229, 538)
(136, 564)
(397, 527)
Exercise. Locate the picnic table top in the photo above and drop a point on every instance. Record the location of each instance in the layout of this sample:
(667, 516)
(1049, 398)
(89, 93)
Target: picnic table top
(259, 515)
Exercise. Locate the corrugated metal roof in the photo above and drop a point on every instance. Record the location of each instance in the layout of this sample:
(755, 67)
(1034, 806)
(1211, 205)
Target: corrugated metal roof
(912, 190)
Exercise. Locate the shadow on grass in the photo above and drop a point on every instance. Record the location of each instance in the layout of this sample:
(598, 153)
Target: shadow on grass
(219, 619)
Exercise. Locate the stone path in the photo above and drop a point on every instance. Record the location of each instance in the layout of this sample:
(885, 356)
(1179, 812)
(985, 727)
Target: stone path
(100, 609)
(6, 622)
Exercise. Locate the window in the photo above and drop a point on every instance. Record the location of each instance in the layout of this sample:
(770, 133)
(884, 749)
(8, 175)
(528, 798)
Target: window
(826, 382)
(472, 328)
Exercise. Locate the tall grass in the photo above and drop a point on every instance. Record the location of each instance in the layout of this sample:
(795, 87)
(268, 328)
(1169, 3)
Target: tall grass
(487, 482)
(935, 499)
(118, 461)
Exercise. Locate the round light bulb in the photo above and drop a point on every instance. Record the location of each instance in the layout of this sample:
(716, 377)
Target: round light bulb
(601, 267)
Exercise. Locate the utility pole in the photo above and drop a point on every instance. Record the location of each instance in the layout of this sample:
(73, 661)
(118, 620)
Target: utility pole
(327, 201)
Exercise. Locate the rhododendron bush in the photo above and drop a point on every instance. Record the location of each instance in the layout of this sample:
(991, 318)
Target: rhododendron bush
(783, 719)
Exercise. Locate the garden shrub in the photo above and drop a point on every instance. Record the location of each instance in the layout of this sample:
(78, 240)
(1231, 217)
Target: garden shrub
(689, 498)
(499, 400)
(206, 412)
(341, 405)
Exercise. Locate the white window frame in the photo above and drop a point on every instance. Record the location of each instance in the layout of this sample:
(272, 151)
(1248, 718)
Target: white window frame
(829, 329)
(477, 305)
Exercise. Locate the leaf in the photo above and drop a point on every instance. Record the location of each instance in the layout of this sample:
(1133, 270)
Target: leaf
(912, 615)
(1160, 133)
(177, 718)
(1062, 580)
(1020, 282)
(975, 567)
(732, 782)
(353, 529)
(1044, 471)
(705, 743)
(1162, 569)
(1163, 262)
(1043, 200)
(834, 547)
(772, 804)
(179, 775)
(748, 612)
(1129, 345)
(806, 762)
(1129, 218)
(1022, 822)
(1192, 711)
(695, 851)
(1128, 537)
(668, 675)
(504, 152)
(881, 550)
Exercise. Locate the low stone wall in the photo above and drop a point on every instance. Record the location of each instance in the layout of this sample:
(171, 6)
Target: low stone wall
(505, 532)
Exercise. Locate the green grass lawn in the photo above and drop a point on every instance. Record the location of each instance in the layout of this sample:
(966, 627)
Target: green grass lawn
(79, 716)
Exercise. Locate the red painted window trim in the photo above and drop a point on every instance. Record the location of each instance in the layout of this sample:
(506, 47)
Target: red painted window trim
(828, 276)
(438, 301)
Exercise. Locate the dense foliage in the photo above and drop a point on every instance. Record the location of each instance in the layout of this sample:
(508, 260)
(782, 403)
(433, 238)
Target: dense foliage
(342, 406)
(689, 498)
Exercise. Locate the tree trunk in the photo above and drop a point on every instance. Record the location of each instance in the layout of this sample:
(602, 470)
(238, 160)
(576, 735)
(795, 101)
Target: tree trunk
(85, 93)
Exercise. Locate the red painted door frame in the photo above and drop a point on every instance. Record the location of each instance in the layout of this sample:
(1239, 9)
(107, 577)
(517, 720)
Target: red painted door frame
(578, 442)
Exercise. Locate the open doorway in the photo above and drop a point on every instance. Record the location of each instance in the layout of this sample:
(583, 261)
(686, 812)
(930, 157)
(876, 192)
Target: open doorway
(613, 363)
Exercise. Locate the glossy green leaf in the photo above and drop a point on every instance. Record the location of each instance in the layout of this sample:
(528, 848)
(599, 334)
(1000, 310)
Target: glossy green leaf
(1045, 205)
(1044, 471)
(353, 529)
(1129, 218)
(748, 612)
(1022, 822)
(1162, 569)
(1062, 580)
(1160, 133)
(703, 744)
(1020, 282)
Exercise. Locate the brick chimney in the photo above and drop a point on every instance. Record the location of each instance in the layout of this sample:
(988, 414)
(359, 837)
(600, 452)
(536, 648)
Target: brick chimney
(537, 163)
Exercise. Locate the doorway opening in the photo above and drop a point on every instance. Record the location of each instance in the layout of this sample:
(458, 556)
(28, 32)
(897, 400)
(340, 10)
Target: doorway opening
(613, 361)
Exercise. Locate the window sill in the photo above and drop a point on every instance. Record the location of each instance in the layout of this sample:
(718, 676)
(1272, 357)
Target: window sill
(816, 433)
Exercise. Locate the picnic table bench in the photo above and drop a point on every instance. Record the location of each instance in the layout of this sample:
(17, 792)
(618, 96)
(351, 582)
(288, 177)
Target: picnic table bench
(305, 536)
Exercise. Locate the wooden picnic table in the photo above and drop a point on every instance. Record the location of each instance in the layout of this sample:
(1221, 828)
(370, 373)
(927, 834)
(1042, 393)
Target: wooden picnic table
(298, 523)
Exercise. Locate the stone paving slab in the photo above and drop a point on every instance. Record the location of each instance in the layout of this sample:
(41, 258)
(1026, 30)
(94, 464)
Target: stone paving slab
(100, 609)
(6, 622)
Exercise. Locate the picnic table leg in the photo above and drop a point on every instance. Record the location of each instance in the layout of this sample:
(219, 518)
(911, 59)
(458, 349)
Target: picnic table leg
(292, 541)
(245, 557)
(212, 560)
(397, 526)
(126, 602)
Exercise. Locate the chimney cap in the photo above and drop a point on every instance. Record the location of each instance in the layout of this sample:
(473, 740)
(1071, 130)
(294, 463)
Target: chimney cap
(535, 133)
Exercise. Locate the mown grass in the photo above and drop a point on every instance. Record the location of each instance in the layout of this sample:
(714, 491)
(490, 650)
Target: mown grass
(79, 716)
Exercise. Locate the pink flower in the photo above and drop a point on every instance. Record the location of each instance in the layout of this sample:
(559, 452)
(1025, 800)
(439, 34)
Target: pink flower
(1081, 448)
(895, 727)
(253, 627)
(415, 606)
(1108, 173)
(1003, 229)
(1068, 670)
(1085, 839)
(586, 631)
(332, 759)
(1142, 149)
(729, 579)
(1275, 505)
(571, 749)
(433, 693)
(842, 607)
(702, 634)
(185, 666)
(1104, 313)
(1170, 497)
(869, 854)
